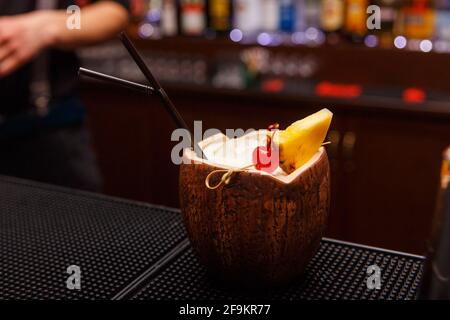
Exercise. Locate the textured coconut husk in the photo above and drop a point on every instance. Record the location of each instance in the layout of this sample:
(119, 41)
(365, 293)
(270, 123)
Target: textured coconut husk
(259, 230)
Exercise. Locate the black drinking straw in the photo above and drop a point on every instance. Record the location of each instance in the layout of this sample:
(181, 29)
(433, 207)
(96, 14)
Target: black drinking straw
(155, 87)
(152, 80)
(128, 84)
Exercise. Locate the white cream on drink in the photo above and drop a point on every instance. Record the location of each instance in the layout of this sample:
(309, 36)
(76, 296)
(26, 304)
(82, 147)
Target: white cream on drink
(238, 152)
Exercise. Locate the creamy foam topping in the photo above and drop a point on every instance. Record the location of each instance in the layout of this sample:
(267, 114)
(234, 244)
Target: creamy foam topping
(238, 152)
(226, 154)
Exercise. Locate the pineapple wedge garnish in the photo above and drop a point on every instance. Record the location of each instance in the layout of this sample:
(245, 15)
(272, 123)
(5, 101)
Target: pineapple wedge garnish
(302, 139)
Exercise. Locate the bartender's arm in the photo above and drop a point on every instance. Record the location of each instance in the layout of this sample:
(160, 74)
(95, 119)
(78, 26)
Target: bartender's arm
(24, 36)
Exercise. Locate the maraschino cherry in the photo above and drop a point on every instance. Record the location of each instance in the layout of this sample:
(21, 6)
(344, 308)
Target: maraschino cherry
(266, 158)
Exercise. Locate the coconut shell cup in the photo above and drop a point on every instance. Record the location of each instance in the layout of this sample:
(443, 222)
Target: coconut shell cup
(259, 230)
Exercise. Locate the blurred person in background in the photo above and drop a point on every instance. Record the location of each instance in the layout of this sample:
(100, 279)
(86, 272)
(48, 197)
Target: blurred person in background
(42, 131)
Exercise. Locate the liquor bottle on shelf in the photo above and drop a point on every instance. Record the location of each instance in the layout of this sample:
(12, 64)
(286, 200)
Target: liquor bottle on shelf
(307, 25)
(418, 19)
(355, 19)
(150, 27)
(332, 19)
(270, 12)
(192, 17)
(390, 22)
(219, 16)
(248, 18)
(312, 13)
(300, 16)
(137, 10)
(169, 23)
(287, 16)
(442, 27)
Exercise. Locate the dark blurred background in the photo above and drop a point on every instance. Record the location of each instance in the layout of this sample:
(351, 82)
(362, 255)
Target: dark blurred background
(247, 64)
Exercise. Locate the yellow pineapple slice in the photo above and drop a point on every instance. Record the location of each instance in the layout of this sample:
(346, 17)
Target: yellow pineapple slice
(301, 140)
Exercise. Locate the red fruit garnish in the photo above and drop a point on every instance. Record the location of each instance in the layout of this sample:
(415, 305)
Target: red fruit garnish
(265, 159)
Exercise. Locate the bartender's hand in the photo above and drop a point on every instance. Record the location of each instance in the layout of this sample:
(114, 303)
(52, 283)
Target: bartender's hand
(21, 38)
(24, 36)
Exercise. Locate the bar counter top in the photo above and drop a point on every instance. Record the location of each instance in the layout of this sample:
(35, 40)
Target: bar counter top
(137, 251)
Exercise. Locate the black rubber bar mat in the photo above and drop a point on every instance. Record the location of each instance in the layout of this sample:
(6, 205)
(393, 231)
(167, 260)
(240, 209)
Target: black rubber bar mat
(338, 271)
(44, 230)
(129, 250)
